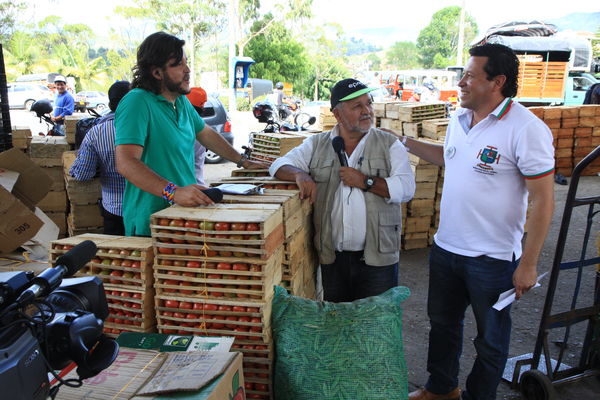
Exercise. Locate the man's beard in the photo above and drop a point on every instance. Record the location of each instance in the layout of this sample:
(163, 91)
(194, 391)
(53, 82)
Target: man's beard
(175, 87)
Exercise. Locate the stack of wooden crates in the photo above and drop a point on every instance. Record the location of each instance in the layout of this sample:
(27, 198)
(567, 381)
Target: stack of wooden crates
(84, 211)
(124, 264)
(576, 133)
(426, 122)
(214, 275)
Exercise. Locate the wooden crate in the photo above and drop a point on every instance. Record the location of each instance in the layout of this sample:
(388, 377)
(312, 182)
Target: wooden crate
(296, 212)
(84, 216)
(435, 128)
(379, 109)
(248, 322)
(541, 79)
(46, 151)
(185, 237)
(425, 173)
(218, 278)
(113, 251)
(71, 125)
(79, 192)
(130, 311)
(275, 144)
(249, 173)
(412, 112)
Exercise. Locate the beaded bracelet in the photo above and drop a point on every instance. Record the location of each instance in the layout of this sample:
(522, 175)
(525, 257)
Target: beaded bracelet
(168, 192)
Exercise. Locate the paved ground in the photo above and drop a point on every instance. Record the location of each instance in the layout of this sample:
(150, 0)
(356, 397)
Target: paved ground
(526, 313)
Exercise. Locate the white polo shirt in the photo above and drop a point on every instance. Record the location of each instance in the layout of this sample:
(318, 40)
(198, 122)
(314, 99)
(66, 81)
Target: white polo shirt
(484, 199)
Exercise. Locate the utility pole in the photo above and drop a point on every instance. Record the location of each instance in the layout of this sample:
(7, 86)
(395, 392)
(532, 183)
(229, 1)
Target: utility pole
(461, 35)
(231, 26)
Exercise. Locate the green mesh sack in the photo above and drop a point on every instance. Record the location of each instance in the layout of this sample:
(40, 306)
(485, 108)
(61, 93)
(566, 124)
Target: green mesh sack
(339, 350)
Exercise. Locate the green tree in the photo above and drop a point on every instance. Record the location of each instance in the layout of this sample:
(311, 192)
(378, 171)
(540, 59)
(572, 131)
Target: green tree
(22, 55)
(375, 61)
(278, 56)
(247, 15)
(192, 20)
(328, 62)
(403, 55)
(9, 10)
(438, 41)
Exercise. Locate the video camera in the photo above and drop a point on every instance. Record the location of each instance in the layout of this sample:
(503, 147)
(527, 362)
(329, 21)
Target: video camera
(45, 323)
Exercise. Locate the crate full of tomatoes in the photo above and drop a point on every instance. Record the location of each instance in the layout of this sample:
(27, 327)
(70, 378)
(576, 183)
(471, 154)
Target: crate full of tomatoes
(121, 262)
(130, 311)
(297, 213)
(250, 232)
(248, 322)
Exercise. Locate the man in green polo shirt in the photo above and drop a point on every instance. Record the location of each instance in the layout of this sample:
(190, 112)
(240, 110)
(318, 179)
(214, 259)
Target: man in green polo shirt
(155, 131)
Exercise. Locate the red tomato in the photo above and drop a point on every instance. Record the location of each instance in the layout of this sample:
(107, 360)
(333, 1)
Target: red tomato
(194, 252)
(252, 227)
(177, 222)
(186, 305)
(163, 221)
(240, 267)
(171, 303)
(186, 283)
(198, 306)
(191, 224)
(222, 265)
(222, 226)
(218, 325)
(165, 250)
(224, 307)
(238, 226)
(210, 307)
(239, 309)
(180, 252)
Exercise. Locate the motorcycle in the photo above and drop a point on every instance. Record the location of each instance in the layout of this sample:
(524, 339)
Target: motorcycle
(43, 109)
(267, 113)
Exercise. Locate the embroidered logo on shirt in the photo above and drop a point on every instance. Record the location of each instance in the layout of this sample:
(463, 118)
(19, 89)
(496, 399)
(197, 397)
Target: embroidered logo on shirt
(488, 155)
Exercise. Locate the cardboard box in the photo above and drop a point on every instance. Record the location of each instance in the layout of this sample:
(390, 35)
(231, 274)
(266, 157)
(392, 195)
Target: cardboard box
(219, 373)
(18, 222)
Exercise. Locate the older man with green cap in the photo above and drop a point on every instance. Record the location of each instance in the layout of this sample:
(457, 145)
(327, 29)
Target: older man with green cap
(357, 176)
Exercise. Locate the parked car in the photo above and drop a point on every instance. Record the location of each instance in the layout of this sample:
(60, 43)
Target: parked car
(23, 95)
(91, 99)
(215, 115)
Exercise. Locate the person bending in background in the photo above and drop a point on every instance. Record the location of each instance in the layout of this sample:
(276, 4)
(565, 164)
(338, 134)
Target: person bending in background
(156, 127)
(357, 214)
(97, 153)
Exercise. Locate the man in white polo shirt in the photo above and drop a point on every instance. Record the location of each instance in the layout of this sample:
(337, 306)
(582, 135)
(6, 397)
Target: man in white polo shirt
(496, 153)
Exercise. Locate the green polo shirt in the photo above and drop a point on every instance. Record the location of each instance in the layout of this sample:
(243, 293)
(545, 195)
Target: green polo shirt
(167, 134)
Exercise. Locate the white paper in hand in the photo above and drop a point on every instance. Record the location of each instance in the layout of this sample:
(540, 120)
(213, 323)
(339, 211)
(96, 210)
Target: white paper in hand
(509, 296)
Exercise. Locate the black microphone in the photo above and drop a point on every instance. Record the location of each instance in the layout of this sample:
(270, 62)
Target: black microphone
(66, 265)
(214, 194)
(339, 147)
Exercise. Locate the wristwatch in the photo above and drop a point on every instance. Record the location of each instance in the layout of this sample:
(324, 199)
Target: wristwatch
(369, 182)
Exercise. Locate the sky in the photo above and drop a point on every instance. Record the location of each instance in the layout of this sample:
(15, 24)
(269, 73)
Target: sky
(400, 20)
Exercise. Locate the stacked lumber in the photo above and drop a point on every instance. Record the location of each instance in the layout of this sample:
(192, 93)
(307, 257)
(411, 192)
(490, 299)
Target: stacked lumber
(84, 212)
(270, 146)
(71, 125)
(214, 275)
(326, 119)
(46, 151)
(576, 132)
(407, 118)
(124, 264)
(435, 128)
(21, 138)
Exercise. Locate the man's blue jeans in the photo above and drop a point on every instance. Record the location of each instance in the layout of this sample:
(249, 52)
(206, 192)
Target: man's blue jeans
(455, 282)
(59, 130)
(349, 278)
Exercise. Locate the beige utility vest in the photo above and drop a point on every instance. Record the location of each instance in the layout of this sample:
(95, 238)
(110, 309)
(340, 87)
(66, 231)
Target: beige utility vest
(384, 221)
